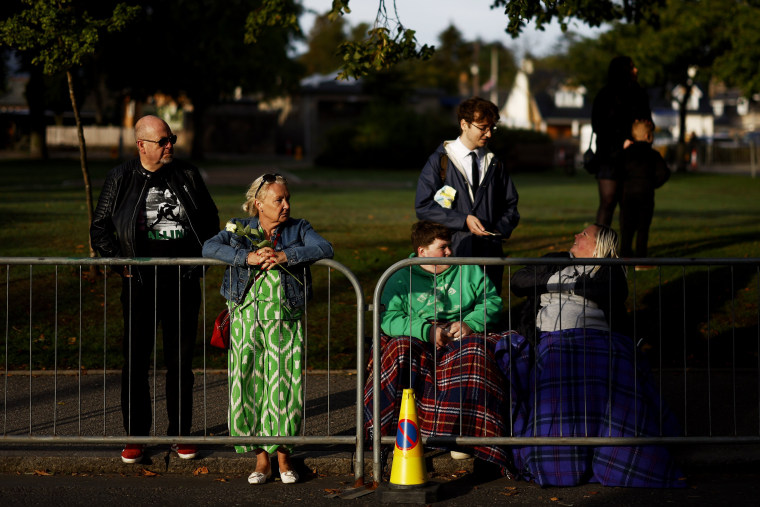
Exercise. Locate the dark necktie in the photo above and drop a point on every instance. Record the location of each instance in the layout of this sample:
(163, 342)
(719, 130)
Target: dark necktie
(475, 173)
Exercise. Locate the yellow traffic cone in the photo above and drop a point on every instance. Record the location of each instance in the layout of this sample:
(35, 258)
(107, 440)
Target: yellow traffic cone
(408, 483)
(408, 459)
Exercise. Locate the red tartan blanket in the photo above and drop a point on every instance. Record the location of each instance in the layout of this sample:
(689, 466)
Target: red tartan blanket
(460, 390)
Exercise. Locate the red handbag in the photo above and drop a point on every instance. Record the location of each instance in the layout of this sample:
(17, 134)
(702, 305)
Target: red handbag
(220, 338)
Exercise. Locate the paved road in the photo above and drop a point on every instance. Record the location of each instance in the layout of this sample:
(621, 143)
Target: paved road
(94, 475)
(44, 404)
(734, 487)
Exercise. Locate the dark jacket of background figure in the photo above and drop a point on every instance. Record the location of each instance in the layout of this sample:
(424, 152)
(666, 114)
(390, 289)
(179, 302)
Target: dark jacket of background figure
(114, 222)
(644, 170)
(495, 205)
(615, 108)
(608, 288)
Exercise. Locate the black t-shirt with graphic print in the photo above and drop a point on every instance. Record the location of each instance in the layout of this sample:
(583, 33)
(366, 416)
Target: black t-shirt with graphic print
(162, 224)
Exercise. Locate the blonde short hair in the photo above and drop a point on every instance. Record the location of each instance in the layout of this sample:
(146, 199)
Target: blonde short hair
(606, 243)
(259, 188)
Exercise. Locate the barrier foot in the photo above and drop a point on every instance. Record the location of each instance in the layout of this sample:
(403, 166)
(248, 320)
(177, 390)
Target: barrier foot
(419, 493)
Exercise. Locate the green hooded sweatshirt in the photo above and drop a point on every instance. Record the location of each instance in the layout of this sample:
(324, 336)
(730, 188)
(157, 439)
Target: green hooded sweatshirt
(459, 296)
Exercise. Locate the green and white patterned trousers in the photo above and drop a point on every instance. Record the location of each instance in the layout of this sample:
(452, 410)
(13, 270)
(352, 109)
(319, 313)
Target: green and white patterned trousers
(265, 366)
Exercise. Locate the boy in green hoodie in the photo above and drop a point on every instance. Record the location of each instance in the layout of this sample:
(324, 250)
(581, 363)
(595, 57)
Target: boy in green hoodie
(458, 385)
(457, 302)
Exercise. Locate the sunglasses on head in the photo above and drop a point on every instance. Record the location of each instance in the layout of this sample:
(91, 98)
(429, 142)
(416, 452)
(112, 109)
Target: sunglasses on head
(163, 141)
(267, 178)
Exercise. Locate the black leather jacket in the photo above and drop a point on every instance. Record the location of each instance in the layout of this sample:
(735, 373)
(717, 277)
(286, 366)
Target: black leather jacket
(113, 225)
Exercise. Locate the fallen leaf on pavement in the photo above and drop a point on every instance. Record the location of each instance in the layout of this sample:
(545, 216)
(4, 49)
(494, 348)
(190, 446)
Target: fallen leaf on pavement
(200, 471)
(42, 472)
(148, 473)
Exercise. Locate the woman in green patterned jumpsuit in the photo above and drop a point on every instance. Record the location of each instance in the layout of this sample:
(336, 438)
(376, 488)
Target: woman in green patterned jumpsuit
(266, 286)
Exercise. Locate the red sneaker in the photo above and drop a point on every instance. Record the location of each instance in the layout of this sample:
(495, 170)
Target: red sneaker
(132, 453)
(185, 451)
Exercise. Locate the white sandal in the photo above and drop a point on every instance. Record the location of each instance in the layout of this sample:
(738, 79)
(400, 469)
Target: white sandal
(289, 477)
(259, 478)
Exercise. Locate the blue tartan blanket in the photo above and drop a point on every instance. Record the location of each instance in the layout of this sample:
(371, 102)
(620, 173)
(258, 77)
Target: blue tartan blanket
(580, 382)
(459, 389)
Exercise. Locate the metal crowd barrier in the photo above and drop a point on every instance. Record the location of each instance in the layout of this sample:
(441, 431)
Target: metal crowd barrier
(692, 385)
(706, 309)
(54, 403)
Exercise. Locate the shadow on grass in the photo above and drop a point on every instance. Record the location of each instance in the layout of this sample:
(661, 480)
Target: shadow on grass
(705, 317)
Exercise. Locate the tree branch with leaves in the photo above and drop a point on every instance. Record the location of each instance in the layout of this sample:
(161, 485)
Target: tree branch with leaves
(59, 36)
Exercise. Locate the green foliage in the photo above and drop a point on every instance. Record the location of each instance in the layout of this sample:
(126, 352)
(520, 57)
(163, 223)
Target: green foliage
(271, 13)
(691, 34)
(586, 61)
(380, 51)
(718, 38)
(592, 12)
(394, 136)
(60, 34)
(453, 59)
(324, 38)
(387, 135)
(339, 9)
(741, 66)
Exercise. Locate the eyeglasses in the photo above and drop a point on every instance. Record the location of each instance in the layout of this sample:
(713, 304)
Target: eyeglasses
(485, 128)
(267, 178)
(163, 141)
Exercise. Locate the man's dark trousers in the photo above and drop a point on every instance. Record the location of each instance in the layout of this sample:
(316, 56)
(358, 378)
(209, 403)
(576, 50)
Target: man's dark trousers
(177, 308)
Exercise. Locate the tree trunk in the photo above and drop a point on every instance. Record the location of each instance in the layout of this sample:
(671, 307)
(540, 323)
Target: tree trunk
(82, 157)
(681, 152)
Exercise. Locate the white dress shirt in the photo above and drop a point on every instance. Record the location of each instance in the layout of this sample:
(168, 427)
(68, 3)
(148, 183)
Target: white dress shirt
(464, 159)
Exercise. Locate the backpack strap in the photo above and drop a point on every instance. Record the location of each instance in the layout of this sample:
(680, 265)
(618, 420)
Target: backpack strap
(444, 165)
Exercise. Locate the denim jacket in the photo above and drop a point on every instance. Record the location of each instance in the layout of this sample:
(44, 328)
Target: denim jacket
(298, 240)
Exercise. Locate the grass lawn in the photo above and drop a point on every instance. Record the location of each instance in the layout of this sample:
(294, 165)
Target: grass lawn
(367, 215)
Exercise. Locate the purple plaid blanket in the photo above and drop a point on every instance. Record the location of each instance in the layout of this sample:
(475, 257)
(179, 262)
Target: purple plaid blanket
(587, 383)
(460, 390)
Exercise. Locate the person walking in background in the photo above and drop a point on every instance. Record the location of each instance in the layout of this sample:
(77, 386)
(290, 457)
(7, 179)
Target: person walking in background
(615, 107)
(156, 206)
(465, 187)
(644, 171)
(266, 286)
